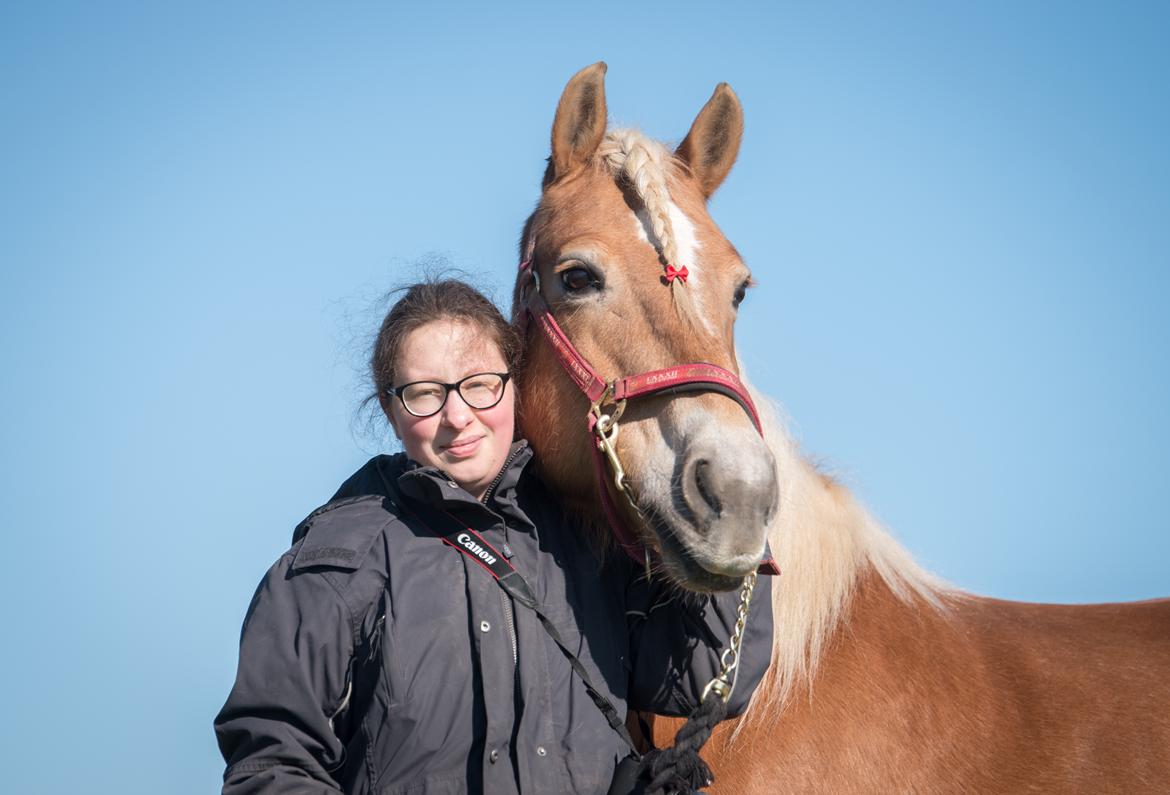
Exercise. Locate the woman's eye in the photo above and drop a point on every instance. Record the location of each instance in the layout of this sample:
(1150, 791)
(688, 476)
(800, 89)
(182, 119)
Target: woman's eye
(577, 279)
(740, 294)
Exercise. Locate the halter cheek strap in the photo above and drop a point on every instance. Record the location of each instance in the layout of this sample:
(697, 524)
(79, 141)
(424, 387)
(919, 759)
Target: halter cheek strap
(608, 400)
(584, 376)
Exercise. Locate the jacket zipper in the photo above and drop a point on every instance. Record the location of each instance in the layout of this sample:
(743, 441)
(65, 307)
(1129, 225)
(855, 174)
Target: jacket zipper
(505, 600)
(509, 621)
(487, 495)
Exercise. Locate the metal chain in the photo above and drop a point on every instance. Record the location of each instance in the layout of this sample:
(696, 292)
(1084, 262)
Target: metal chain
(724, 682)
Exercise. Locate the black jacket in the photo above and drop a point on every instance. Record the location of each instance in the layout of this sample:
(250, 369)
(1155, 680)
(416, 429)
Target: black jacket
(375, 659)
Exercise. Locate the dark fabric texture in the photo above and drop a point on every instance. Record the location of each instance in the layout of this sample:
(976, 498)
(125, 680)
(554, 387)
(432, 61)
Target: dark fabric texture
(376, 659)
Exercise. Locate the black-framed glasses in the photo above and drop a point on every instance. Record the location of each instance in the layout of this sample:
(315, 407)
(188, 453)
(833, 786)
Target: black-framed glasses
(425, 398)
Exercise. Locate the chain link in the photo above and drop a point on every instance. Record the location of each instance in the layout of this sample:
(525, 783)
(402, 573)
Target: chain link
(724, 682)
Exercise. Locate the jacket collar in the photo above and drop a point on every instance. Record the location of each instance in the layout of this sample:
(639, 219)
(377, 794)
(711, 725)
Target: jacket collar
(433, 485)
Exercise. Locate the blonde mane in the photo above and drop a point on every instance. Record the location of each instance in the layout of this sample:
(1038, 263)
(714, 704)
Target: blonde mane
(823, 540)
(644, 165)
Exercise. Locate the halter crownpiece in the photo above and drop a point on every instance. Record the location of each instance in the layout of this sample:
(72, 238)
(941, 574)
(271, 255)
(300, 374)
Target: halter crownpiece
(608, 400)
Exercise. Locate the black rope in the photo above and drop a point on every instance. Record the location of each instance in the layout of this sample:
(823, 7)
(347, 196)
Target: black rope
(679, 770)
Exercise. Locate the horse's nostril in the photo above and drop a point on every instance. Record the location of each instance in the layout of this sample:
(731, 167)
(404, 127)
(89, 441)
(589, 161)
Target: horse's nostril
(702, 476)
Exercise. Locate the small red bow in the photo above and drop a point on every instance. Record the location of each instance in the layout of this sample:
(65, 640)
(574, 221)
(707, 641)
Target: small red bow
(672, 272)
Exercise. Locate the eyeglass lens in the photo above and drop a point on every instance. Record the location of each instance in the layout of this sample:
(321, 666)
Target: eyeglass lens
(480, 391)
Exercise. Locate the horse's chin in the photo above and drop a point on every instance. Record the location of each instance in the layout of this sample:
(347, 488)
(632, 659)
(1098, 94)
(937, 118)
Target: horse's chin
(693, 568)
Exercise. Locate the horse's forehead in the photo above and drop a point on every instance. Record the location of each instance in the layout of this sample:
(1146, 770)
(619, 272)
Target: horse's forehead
(592, 203)
(595, 205)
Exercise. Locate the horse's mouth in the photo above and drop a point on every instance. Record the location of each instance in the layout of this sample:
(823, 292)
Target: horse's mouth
(682, 565)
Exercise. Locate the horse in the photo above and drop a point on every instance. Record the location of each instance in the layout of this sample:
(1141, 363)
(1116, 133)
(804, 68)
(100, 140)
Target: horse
(883, 678)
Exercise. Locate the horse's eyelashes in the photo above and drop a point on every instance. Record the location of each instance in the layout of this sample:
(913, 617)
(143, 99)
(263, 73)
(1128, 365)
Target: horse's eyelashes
(740, 294)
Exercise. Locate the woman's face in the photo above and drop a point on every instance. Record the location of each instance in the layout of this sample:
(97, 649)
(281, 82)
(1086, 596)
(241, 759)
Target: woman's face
(468, 444)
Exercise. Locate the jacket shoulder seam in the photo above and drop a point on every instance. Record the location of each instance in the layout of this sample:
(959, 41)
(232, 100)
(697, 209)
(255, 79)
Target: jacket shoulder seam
(339, 534)
(259, 766)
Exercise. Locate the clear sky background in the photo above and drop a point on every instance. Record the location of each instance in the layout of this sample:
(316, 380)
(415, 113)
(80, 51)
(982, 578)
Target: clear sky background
(958, 213)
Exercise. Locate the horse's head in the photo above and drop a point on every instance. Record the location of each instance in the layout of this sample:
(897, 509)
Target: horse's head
(619, 217)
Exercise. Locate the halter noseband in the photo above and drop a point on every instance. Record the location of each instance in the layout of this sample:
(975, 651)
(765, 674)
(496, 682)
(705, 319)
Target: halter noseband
(608, 401)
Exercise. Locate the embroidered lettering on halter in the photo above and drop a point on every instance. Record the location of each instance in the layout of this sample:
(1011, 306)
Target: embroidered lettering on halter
(680, 273)
(660, 376)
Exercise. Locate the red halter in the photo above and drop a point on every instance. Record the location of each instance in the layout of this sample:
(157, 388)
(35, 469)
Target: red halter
(680, 378)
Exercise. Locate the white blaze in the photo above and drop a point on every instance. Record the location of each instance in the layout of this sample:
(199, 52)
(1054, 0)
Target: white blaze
(687, 246)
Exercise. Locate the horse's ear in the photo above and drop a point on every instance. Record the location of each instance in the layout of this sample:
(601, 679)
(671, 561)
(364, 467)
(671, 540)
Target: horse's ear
(580, 122)
(712, 145)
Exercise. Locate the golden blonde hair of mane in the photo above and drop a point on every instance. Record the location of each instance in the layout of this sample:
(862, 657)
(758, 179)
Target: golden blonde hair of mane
(823, 541)
(644, 165)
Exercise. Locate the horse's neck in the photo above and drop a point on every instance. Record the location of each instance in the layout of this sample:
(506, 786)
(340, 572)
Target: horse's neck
(826, 545)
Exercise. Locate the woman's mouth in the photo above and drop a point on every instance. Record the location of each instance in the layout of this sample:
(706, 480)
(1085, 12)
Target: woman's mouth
(463, 448)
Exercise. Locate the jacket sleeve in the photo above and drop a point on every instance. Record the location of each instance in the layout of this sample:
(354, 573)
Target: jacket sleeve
(676, 640)
(295, 648)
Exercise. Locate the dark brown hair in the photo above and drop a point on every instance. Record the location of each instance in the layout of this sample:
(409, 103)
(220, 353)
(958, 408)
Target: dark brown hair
(432, 300)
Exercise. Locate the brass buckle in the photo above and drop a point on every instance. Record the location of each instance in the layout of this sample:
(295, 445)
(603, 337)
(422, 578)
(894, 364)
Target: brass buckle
(607, 421)
(605, 430)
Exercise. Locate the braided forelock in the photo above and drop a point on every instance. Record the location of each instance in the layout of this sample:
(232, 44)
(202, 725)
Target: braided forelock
(643, 164)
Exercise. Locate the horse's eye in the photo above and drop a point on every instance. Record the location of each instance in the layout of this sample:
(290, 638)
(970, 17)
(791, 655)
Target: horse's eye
(740, 294)
(576, 280)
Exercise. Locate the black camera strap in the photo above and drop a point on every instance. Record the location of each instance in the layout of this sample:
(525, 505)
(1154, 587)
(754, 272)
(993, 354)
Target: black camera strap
(458, 535)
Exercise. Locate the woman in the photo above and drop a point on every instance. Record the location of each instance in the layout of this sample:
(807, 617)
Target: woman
(377, 658)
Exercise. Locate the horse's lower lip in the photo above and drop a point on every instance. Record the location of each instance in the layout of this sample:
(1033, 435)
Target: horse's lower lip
(695, 575)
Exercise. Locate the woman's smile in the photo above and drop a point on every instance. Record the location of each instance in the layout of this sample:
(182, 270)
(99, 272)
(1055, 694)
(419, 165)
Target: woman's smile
(463, 448)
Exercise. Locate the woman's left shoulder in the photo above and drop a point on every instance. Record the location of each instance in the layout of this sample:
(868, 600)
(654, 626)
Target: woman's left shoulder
(339, 533)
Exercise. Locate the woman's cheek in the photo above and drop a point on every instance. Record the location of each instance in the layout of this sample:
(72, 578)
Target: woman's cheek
(418, 440)
(504, 416)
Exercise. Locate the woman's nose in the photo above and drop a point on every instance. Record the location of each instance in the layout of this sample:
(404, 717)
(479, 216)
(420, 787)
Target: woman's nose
(456, 413)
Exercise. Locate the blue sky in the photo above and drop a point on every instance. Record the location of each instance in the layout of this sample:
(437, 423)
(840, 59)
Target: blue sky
(959, 216)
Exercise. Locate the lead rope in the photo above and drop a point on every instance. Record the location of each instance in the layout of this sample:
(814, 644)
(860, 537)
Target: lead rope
(679, 768)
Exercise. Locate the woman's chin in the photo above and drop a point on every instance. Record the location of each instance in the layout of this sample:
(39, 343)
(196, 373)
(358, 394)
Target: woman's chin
(471, 473)
(473, 466)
